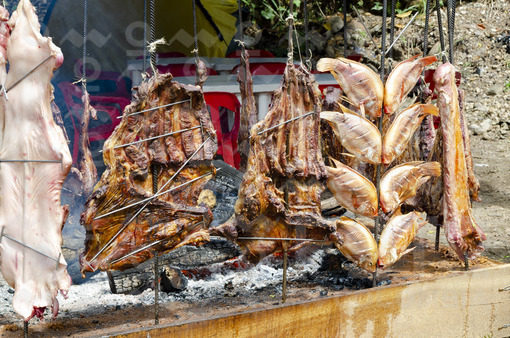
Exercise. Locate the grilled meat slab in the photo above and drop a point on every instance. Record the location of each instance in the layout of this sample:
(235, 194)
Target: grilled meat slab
(462, 233)
(280, 193)
(130, 236)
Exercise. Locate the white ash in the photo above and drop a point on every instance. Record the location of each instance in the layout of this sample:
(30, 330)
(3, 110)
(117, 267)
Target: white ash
(95, 294)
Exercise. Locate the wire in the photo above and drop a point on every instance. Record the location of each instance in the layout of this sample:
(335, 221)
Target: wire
(344, 10)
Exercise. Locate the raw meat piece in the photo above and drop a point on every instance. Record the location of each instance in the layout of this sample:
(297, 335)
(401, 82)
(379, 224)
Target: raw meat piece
(30, 209)
(248, 110)
(87, 167)
(280, 193)
(461, 231)
(169, 220)
(474, 185)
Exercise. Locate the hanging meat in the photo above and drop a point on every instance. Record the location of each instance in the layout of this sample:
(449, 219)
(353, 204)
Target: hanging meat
(166, 136)
(461, 230)
(280, 193)
(248, 109)
(35, 160)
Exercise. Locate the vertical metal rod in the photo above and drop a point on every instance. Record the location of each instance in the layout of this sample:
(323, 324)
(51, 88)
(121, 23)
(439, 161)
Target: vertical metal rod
(438, 232)
(156, 255)
(153, 33)
(466, 262)
(344, 11)
(156, 288)
(378, 170)
(111, 281)
(25, 328)
(284, 283)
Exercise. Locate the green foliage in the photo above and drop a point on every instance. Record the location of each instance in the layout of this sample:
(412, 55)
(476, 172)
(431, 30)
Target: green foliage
(507, 85)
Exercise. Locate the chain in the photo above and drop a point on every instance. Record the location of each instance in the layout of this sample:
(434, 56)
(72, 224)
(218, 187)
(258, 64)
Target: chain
(440, 26)
(153, 34)
(84, 60)
(450, 10)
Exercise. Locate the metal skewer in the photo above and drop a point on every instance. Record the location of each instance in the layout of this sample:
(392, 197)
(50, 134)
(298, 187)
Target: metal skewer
(284, 282)
(398, 37)
(148, 199)
(144, 206)
(2, 235)
(24, 77)
(154, 108)
(364, 26)
(284, 122)
(154, 137)
(281, 239)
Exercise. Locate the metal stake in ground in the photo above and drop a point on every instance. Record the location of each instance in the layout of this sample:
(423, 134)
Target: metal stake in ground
(25, 328)
(285, 245)
(156, 255)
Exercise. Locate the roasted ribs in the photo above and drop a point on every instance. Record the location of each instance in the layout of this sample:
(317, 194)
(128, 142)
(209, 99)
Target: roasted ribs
(280, 193)
(126, 237)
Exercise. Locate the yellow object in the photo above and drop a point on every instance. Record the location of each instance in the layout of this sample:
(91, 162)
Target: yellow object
(174, 22)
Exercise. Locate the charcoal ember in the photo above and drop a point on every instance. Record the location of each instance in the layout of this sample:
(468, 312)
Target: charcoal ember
(139, 278)
(172, 280)
(128, 237)
(225, 187)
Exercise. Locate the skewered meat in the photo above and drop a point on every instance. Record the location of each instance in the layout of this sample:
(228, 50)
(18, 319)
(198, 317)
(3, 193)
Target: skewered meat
(280, 193)
(30, 209)
(402, 182)
(361, 84)
(248, 110)
(473, 184)
(357, 134)
(402, 80)
(330, 143)
(398, 233)
(461, 231)
(87, 168)
(358, 244)
(402, 129)
(123, 238)
(352, 190)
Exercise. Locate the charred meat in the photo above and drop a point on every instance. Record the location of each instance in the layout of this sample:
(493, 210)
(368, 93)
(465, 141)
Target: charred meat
(165, 137)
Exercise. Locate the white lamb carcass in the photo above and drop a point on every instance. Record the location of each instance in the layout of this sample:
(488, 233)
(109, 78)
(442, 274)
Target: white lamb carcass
(30, 209)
